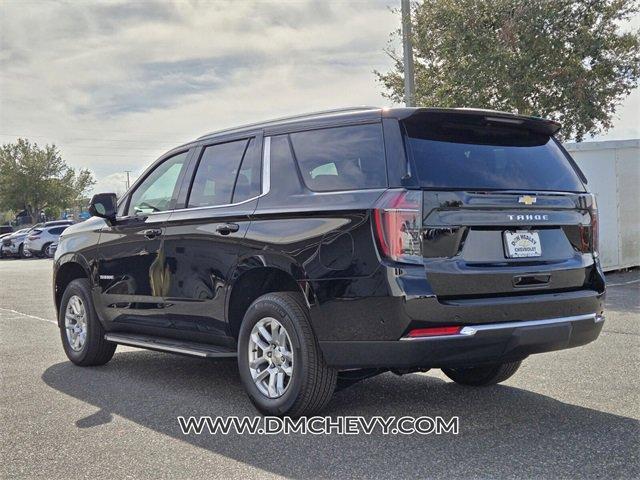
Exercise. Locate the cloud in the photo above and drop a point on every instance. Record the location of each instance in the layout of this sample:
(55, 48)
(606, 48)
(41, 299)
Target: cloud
(115, 83)
(114, 183)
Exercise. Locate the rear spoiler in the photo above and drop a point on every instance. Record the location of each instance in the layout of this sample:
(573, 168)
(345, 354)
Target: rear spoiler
(535, 124)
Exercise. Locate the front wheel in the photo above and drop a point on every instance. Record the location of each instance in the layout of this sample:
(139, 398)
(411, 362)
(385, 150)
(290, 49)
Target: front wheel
(484, 375)
(280, 362)
(81, 332)
(23, 252)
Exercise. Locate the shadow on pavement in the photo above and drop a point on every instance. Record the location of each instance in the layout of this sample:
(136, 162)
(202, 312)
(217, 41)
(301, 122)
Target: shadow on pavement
(504, 431)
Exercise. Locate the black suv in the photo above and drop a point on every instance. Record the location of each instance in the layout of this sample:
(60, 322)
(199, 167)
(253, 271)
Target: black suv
(325, 248)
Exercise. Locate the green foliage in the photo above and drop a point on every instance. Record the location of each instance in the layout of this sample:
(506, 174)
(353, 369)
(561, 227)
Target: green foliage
(7, 216)
(560, 59)
(35, 178)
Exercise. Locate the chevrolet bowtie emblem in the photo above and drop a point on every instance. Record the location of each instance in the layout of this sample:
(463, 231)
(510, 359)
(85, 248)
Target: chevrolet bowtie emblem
(527, 199)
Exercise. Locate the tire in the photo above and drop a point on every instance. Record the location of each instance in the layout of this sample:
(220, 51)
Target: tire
(45, 250)
(482, 376)
(95, 350)
(311, 383)
(22, 253)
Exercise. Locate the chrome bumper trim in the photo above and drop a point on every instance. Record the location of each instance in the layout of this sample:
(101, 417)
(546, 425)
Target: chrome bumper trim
(473, 329)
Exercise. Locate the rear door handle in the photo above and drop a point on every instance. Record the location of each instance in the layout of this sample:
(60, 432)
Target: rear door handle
(227, 228)
(152, 233)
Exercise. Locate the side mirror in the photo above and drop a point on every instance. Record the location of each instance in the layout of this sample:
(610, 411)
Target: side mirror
(104, 205)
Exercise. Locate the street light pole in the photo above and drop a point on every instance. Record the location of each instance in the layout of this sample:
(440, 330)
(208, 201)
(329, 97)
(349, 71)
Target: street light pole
(128, 172)
(409, 85)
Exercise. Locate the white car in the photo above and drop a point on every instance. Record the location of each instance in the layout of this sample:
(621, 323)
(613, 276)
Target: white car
(13, 244)
(40, 239)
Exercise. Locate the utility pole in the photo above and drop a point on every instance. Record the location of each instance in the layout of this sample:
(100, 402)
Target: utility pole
(409, 85)
(128, 184)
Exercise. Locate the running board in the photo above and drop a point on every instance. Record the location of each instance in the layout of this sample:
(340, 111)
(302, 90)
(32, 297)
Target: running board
(174, 346)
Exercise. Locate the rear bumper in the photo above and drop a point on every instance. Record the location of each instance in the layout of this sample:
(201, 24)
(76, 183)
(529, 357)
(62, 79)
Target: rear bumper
(476, 344)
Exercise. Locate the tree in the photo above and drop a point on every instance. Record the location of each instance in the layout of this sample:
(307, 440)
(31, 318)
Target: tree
(561, 59)
(35, 178)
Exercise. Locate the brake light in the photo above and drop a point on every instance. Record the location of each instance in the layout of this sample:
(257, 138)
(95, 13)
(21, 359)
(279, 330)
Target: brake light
(397, 221)
(595, 226)
(590, 235)
(433, 332)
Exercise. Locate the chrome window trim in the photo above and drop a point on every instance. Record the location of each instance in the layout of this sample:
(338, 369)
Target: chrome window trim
(265, 187)
(266, 166)
(471, 330)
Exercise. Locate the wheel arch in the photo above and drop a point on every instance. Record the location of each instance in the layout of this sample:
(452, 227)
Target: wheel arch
(67, 270)
(249, 284)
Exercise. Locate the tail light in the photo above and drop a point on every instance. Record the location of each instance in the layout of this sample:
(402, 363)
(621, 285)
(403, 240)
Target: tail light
(34, 235)
(590, 235)
(397, 221)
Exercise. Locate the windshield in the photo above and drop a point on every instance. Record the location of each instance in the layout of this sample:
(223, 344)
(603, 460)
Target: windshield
(469, 155)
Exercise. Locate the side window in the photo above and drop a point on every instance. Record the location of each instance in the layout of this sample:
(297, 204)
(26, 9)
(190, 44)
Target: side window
(121, 208)
(155, 192)
(341, 158)
(249, 179)
(57, 230)
(216, 174)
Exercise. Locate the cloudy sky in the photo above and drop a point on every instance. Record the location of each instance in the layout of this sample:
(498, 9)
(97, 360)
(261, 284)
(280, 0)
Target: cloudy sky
(114, 84)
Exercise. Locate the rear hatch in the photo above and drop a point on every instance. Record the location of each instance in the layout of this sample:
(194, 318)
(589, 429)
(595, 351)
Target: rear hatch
(503, 210)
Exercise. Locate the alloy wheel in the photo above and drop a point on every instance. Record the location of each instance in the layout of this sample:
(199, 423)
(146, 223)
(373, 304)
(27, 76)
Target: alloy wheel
(270, 357)
(75, 323)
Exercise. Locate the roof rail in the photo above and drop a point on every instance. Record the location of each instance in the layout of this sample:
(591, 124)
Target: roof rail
(292, 117)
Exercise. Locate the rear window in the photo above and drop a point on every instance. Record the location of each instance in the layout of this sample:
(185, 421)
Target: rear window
(217, 172)
(466, 155)
(341, 158)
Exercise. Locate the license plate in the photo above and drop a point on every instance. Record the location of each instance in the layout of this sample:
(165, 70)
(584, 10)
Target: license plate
(522, 244)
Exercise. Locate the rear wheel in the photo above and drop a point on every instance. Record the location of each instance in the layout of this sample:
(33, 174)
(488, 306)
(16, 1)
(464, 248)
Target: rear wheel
(81, 332)
(484, 375)
(45, 250)
(280, 362)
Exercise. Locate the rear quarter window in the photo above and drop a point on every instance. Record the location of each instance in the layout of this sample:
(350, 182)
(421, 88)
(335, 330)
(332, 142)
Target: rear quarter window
(341, 158)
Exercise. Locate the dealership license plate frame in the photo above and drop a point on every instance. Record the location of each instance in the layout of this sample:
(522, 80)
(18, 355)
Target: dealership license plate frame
(508, 236)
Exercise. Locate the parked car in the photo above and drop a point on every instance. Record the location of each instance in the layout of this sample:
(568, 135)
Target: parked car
(4, 235)
(14, 244)
(51, 251)
(334, 246)
(39, 240)
(53, 223)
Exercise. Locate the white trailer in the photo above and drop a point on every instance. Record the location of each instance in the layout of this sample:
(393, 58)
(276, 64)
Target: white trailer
(613, 171)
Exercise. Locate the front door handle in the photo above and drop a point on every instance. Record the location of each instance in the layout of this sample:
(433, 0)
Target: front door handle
(227, 228)
(152, 233)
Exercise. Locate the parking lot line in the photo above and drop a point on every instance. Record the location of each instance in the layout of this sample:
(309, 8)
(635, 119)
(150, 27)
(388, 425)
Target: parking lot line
(27, 315)
(623, 283)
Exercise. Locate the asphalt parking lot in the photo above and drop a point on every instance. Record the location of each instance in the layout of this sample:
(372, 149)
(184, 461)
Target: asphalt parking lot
(573, 413)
